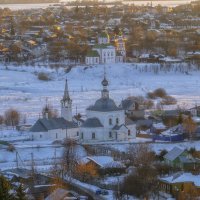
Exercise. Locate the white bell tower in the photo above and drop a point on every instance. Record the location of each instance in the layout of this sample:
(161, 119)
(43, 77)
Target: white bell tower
(66, 104)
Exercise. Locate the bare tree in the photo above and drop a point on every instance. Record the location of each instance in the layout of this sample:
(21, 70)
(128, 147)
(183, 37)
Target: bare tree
(142, 182)
(69, 161)
(141, 155)
(12, 117)
(189, 126)
(50, 111)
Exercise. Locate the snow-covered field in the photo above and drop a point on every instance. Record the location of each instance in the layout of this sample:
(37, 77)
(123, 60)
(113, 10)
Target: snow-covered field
(20, 88)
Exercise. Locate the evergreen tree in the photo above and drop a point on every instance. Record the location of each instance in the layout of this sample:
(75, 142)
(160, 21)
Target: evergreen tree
(12, 30)
(5, 188)
(20, 194)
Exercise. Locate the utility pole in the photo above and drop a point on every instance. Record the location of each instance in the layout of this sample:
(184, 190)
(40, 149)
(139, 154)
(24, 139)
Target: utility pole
(17, 163)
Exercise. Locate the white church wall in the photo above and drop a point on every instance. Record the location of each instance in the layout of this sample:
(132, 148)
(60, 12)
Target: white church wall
(56, 134)
(105, 116)
(86, 134)
(132, 129)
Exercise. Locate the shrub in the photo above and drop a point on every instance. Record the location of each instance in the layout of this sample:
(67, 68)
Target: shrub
(1, 119)
(43, 76)
(148, 104)
(169, 100)
(151, 95)
(160, 92)
(10, 148)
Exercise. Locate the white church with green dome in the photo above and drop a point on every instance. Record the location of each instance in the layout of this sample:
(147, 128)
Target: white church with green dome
(104, 52)
(106, 121)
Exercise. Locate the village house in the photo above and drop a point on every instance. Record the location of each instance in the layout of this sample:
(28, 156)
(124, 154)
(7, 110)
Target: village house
(104, 164)
(179, 185)
(132, 108)
(181, 158)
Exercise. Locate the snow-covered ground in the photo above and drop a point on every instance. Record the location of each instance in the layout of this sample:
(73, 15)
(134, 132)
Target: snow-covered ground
(159, 146)
(20, 88)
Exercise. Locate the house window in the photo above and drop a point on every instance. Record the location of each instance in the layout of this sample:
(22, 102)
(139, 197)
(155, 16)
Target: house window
(110, 134)
(129, 132)
(56, 135)
(93, 136)
(110, 121)
(77, 133)
(82, 135)
(117, 120)
(40, 136)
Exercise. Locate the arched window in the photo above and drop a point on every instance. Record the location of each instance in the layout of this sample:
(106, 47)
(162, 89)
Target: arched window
(129, 132)
(110, 121)
(117, 120)
(110, 134)
(93, 136)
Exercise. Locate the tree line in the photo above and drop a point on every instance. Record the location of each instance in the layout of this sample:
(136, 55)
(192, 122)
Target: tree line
(27, 1)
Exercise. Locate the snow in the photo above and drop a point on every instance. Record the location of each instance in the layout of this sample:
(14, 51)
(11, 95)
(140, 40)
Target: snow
(12, 135)
(44, 154)
(112, 180)
(159, 126)
(101, 160)
(90, 187)
(157, 147)
(183, 177)
(20, 88)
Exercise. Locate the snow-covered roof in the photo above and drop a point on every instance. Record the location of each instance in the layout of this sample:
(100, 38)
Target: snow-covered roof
(174, 153)
(159, 125)
(103, 161)
(92, 123)
(43, 125)
(183, 177)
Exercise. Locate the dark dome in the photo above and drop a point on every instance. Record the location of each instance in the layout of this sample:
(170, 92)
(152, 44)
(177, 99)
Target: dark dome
(104, 105)
(104, 82)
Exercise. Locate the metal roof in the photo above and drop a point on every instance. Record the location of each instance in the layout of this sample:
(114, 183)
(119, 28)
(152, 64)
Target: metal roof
(104, 105)
(44, 124)
(173, 154)
(92, 123)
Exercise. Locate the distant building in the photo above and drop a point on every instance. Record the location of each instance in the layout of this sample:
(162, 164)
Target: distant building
(104, 52)
(132, 108)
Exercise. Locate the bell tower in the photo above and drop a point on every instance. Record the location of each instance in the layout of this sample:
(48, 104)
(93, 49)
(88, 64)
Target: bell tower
(66, 104)
(105, 91)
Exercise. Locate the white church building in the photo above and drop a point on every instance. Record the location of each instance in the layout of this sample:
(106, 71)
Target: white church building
(106, 121)
(61, 128)
(104, 52)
